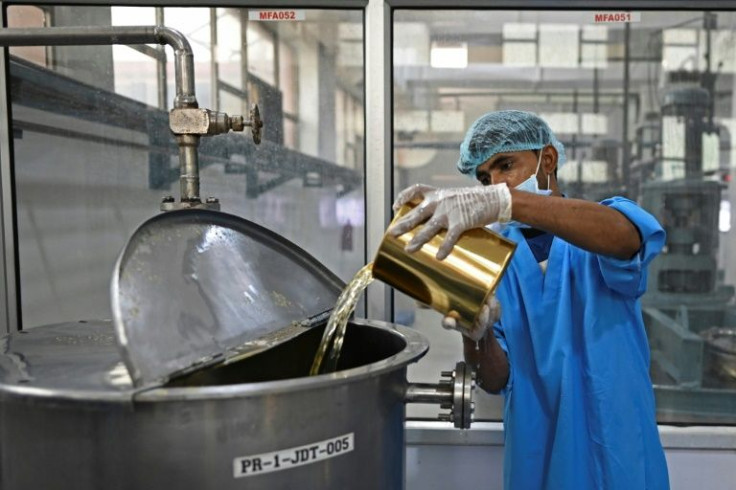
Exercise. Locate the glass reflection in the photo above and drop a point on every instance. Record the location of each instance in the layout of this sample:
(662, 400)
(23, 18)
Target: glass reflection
(93, 154)
(645, 110)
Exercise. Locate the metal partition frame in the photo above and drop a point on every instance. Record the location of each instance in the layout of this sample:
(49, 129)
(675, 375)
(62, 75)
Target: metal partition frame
(379, 143)
(9, 301)
(421, 433)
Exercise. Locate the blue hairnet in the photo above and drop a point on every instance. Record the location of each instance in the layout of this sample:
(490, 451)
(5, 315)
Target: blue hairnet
(504, 131)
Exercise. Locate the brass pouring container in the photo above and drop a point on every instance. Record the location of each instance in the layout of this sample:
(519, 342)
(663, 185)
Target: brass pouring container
(458, 285)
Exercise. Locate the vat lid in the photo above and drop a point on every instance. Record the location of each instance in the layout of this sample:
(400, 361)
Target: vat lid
(197, 287)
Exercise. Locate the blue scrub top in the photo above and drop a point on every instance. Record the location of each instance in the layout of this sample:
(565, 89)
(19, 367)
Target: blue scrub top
(579, 403)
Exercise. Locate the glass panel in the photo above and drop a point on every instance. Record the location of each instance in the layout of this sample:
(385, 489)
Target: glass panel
(261, 51)
(194, 24)
(229, 47)
(132, 69)
(291, 134)
(670, 146)
(594, 46)
(93, 153)
(558, 45)
(722, 43)
(288, 78)
(231, 103)
(28, 16)
(132, 72)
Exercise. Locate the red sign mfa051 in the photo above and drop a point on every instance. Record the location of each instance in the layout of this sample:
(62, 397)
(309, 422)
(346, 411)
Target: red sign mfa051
(616, 17)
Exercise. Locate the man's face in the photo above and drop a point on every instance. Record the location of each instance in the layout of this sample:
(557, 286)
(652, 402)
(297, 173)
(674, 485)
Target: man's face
(513, 168)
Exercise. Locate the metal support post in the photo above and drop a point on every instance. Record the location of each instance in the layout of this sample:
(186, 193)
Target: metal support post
(378, 170)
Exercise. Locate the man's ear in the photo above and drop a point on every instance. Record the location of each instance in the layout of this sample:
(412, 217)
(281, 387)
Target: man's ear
(549, 159)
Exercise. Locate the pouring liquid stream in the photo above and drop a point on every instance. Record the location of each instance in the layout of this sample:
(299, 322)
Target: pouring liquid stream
(334, 334)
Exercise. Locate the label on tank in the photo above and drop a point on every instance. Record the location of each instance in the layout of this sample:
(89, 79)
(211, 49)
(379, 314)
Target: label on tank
(258, 464)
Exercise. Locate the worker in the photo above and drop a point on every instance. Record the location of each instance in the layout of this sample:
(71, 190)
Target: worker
(567, 345)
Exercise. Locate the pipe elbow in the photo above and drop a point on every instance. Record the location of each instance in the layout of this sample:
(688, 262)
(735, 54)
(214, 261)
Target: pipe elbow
(174, 38)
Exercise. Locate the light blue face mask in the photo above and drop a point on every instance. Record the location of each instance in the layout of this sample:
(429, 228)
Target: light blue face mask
(532, 184)
(529, 185)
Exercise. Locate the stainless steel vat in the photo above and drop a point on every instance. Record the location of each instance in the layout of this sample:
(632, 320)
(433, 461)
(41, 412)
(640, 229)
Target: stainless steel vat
(70, 417)
(201, 381)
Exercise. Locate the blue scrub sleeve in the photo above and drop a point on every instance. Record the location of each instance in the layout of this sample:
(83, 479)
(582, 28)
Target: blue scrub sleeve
(501, 338)
(629, 276)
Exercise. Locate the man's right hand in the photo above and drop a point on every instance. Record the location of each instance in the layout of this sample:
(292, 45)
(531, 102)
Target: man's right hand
(489, 314)
(455, 210)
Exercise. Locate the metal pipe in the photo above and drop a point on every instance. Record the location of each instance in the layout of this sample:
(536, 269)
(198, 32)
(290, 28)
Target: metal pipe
(626, 149)
(83, 35)
(71, 36)
(161, 65)
(189, 178)
(183, 72)
(214, 65)
(428, 393)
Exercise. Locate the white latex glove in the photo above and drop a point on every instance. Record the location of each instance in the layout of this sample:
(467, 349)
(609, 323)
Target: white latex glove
(489, 314)
(455, 210)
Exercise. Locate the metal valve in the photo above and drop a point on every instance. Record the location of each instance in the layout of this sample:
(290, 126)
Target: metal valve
(454, 392)
(189, 123)
(255, 123)
(204, 122)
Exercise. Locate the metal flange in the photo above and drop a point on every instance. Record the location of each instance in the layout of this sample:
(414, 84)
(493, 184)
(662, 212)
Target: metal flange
(453, 392)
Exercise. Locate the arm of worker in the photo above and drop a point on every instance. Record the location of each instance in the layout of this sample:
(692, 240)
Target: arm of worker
(489, 361)
(481, 349)
(591, 226)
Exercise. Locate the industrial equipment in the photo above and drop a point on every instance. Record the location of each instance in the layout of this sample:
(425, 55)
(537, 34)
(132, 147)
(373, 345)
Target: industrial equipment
(187, 121)
(213, 386)
(677, 176)
(201, 380)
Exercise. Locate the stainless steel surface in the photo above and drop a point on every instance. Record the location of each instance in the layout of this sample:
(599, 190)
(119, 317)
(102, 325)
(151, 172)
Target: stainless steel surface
(202, 122)
(440, 393)
(196, 287)
(456, 286)
(189, 163)
(422, 433)
(168, 203)
(70, 418)
(188, 124)
(463, 406)
(454, 393)
(161, 74)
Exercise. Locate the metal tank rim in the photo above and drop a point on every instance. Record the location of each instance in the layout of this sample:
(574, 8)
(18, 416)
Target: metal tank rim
(416, 347)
